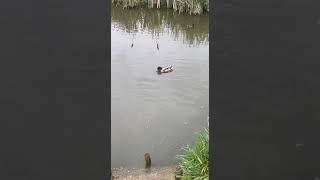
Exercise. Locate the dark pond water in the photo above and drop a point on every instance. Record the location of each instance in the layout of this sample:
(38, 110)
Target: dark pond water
(157, 113)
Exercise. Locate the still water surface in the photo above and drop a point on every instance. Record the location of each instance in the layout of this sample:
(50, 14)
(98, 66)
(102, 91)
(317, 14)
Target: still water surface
(157, 113)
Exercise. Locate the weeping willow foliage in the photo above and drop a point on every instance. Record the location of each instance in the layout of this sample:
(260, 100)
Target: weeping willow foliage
(163, 21)
(181, 6)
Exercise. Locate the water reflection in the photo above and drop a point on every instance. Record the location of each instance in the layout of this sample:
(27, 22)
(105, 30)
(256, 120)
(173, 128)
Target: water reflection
(191, 30)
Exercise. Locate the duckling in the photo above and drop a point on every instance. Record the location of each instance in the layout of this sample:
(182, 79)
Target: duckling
(164, 69)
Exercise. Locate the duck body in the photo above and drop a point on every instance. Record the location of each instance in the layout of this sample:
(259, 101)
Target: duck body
(164, 69)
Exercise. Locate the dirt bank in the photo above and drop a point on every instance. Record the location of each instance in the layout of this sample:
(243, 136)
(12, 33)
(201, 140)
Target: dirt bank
(161, 173)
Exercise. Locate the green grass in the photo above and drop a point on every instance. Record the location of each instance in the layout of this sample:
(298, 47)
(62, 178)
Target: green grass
(181, 6)
(194, 161)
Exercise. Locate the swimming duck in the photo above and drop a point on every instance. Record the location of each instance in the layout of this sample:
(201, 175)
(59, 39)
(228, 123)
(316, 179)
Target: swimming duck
(190, 26)
(164, 69)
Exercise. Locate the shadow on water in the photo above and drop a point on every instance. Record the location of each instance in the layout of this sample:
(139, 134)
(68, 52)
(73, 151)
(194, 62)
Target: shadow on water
(189, 29)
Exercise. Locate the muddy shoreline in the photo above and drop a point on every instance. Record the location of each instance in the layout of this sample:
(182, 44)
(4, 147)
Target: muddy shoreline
(156, 173)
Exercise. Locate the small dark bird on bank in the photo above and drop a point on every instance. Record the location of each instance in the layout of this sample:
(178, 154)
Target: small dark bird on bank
(157, 46)
(147, 158)
(131, 45)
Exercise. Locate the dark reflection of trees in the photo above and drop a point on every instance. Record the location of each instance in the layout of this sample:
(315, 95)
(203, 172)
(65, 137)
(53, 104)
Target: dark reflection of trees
(180, 27)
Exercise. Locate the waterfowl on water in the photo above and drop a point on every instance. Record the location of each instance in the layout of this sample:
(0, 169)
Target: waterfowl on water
(190, 26)
(164, 69)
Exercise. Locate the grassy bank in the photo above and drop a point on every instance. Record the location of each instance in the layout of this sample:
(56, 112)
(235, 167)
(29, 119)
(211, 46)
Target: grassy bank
(181, 6)
(194, 161)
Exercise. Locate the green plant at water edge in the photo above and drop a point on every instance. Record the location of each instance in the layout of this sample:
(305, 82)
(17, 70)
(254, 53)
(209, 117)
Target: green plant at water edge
(181, 6)
(194, 161)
